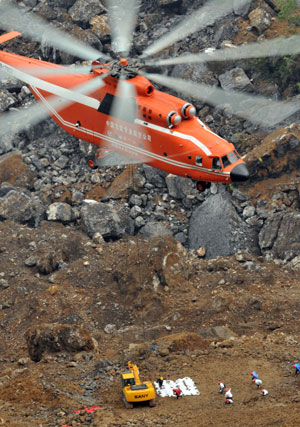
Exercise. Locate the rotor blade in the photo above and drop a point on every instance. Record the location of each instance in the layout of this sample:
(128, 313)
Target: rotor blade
(123, 110)
(16, 121)
(55, 89)
(207, 15)
(14, 18)
(59, 70)
(277, 47)
(257, 109)
(117, 159)
(123, 17)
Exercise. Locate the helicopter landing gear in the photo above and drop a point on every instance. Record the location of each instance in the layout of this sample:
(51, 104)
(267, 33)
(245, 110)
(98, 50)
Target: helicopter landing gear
(94, 160)
(91, 162)
(202, 185)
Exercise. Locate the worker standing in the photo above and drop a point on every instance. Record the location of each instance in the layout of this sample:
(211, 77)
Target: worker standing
(254, 375)
(297, 367)
(222, 387)
(160, 381)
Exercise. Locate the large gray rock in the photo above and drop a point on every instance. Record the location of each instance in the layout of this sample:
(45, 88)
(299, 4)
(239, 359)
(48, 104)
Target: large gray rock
(216, 226)
(6, 100)
(154, 176)
(196, 72)
(97, 217)
(280, 235)
(155, 228)
(19, 207)
(236, 79)
(241, 7)
(83, 10)
(60, 212)
(226, 31)
(179, 187)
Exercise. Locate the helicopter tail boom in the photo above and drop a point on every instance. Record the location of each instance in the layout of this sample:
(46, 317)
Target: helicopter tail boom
(8, 36)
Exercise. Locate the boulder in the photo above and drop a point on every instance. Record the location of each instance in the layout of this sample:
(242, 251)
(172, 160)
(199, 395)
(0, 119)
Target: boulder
(16, 206)
(6, 100)
(280, 235)
(155, 228)
(195, 72)
(105, 219)
(260, 20)
(236, 79)
(216, 226)
(60, 212)
(155, 176)
(83, 10)
(100, 25)
(180, 187)
(55, 338)
(14, 171)
(241, 8)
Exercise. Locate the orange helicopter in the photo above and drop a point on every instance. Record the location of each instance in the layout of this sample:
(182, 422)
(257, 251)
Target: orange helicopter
(112, 104)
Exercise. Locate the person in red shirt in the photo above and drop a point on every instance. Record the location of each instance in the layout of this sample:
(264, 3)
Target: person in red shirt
(177, 392)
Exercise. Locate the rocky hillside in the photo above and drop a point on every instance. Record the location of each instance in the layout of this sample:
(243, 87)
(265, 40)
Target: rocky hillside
(98, 267)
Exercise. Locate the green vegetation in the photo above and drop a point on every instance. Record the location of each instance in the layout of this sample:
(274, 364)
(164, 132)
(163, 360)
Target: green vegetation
(286, 11)
(298, 86)
(287, 69)
(283, 70)
(286, 7)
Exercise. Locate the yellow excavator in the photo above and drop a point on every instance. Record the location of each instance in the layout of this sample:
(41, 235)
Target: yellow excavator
(133, 390)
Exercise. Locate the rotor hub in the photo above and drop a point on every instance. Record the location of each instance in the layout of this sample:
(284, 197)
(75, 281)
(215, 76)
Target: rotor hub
(123, 62)
(124, 67)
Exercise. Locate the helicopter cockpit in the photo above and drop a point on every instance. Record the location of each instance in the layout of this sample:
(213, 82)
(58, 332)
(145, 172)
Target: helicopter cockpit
(224, 161)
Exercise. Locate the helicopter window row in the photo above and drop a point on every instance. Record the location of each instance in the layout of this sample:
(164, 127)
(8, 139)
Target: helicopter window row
(124, 129)
(232, 157)
(227, 160)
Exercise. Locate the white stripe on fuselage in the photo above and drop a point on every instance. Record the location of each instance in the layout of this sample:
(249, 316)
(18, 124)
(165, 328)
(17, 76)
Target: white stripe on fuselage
(177, 134)
(131, 148)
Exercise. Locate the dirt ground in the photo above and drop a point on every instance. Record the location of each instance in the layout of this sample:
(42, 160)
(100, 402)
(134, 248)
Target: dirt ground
(214, 320)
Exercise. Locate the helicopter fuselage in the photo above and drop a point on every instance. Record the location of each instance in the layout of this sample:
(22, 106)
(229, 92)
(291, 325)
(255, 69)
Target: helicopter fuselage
(162, 130)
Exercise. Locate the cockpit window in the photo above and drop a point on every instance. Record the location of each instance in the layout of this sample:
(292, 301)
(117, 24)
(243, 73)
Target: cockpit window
(225, 161)
(232, 157)
(237, 155)
(198, 161)
(216, 163)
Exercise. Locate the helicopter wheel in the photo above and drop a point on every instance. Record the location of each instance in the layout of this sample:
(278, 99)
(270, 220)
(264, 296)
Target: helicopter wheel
(91, 162)
(202, 185)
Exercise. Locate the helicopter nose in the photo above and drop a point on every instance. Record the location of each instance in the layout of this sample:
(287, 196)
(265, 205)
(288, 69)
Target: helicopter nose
(239, 173)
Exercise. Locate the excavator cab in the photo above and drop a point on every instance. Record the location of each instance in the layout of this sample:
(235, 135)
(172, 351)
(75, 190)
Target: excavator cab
(127, 379)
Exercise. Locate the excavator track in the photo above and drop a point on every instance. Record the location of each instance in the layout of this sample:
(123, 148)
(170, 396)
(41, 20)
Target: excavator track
(127, 404)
